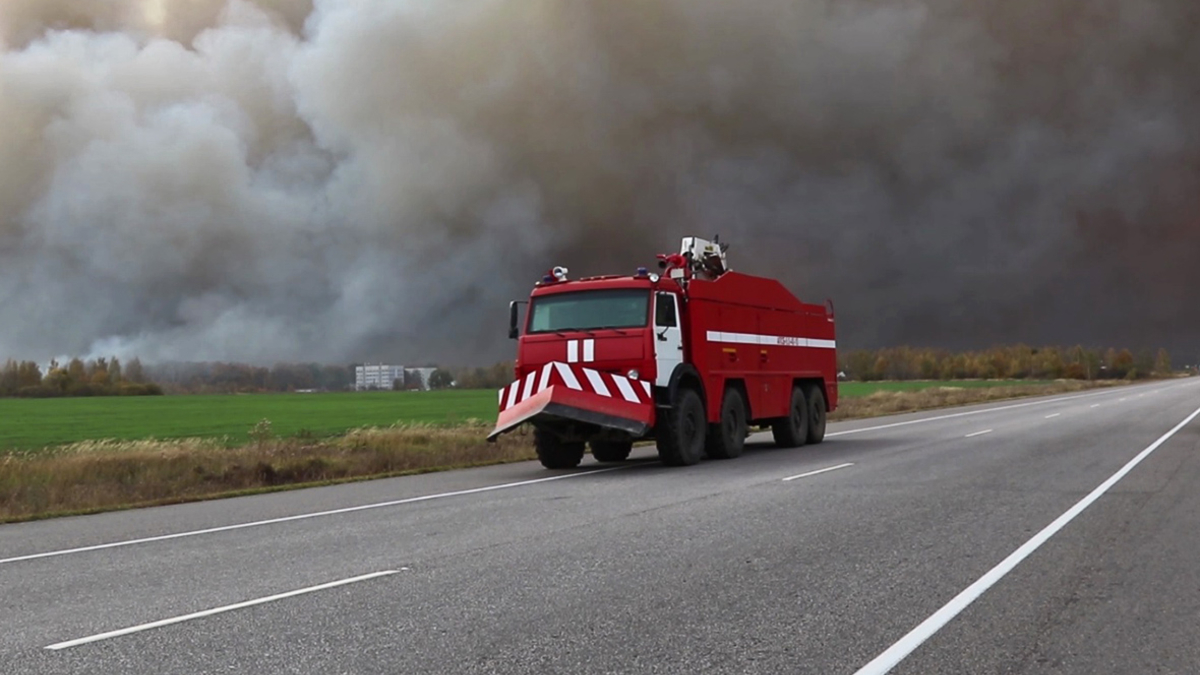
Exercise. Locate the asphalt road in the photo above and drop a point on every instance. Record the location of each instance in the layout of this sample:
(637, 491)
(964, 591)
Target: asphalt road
(725, 567)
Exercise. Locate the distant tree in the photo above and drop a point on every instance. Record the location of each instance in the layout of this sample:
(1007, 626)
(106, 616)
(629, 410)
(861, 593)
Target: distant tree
(502, 374)
(290, 377)
(1162, 362)
(10, 378)
(1074, 371)
(1143, 362)
(336, 378)
(861, 365)
(98, 373)
(1122, 363)
(76, 371)
(58, 379)
(929, 366)
(1048, 365)
(440, 379)
(879, 368)
(413, 380)
(1091, 364)
(134, 373)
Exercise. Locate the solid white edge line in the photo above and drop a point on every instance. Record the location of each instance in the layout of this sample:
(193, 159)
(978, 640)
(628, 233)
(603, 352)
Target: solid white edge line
(813, 473)
(305, 516)
(893, 655)
(979, 433)
(216, 610)
(847, 432)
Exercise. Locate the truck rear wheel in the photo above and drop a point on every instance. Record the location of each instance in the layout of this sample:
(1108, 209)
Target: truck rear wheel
(554, 452)
(681, 430)
(792, 431)
(727, 438)
(611, 451)
(816, 415)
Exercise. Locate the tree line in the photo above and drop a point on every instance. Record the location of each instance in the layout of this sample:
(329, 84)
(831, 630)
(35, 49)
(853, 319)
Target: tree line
(109, 377)
(1015, 362)
(219, 377)
(495, 376)
(97, 377)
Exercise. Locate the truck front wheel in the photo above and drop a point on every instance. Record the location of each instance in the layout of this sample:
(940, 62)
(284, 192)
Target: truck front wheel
(792, 431)
(554, 452)
(681, 430)
(611, 451)
(727, 438)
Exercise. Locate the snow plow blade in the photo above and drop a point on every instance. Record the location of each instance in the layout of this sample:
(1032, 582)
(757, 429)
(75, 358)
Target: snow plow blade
(566, 393)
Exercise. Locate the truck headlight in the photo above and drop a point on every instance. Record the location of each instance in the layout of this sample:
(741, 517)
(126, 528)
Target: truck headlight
(633, 374)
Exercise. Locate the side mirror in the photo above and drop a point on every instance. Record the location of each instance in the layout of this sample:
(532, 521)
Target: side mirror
(513, 316)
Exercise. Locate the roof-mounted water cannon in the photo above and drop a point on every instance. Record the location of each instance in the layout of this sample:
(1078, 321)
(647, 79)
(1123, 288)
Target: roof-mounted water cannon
(674, 266)
(555, 275)
(706, 258)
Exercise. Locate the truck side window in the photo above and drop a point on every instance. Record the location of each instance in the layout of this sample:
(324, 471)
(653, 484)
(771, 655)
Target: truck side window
(664, 311)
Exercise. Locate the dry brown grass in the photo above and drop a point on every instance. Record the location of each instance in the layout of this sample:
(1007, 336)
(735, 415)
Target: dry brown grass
(893, 402)
(104, 475)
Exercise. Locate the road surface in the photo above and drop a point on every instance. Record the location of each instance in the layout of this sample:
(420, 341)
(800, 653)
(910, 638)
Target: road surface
(1055, 535)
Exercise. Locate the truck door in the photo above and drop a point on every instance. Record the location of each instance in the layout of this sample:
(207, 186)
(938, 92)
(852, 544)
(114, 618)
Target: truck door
(668, 337)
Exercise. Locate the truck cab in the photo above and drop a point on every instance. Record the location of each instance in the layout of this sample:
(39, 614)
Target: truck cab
(622, 325)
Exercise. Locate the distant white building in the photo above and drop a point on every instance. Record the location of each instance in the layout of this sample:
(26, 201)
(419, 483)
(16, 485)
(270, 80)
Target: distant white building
(377, 376)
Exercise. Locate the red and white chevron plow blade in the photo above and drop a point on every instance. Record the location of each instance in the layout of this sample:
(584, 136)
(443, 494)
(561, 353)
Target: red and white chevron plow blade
(569, 392)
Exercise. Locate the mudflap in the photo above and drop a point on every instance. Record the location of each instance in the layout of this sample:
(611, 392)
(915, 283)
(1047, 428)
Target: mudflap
(561, 403)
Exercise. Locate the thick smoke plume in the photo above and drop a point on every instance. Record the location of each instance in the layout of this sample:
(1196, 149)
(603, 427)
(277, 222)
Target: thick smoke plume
(373, 179)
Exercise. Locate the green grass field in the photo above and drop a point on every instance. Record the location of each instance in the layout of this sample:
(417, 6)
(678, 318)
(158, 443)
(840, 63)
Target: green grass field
(854, 389)
(38, 423)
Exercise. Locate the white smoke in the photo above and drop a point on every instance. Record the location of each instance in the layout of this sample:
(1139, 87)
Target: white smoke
(270, 180)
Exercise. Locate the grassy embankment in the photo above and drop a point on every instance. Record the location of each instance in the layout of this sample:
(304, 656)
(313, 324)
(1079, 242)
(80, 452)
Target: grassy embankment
(161, 450)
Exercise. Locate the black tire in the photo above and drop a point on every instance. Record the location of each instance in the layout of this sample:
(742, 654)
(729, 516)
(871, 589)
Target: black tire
(816, 415)
(727, 438)
(554, 453)
(611, 451)
(792, 431)
(681, 430)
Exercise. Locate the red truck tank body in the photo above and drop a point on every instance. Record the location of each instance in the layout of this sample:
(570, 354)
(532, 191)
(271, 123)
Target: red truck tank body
(753, 328)
(606, 360)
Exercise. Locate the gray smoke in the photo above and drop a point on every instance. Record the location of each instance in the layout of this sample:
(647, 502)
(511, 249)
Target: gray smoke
(269, 180)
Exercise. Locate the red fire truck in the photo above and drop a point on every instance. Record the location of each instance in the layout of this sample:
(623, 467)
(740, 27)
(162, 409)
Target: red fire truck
(692, 359)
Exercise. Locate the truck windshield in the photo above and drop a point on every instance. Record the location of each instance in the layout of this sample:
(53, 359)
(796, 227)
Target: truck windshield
(590, 310)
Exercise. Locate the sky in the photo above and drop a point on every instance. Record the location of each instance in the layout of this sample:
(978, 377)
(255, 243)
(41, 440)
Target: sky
(340, 181)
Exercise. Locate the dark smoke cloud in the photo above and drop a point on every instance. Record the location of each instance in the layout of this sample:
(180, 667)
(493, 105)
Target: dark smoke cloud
(267, 180)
